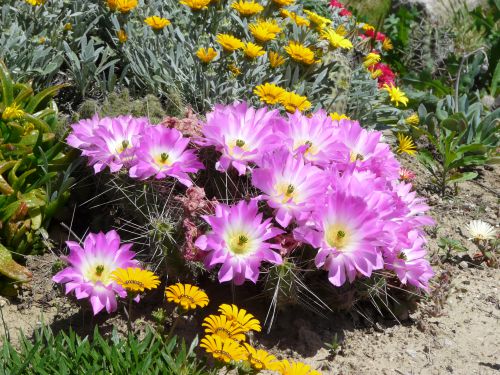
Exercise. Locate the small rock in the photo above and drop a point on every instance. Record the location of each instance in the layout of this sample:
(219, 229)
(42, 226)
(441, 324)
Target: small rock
(463, 265)
(411, 353)
(3, 302)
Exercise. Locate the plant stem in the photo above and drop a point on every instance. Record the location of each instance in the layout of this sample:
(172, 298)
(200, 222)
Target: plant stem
(176, 321)
(129, 314)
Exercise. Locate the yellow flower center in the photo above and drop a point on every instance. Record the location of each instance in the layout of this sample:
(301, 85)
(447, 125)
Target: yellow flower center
(185, 297)
(223, 332)
(223, 354)
(98, 273)
(122, 146)
(356, 156)
(163, 160)
(239, 244)
(336, 236)
(288, 191)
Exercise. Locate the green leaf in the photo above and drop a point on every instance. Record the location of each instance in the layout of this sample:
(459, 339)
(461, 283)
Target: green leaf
(461, 177)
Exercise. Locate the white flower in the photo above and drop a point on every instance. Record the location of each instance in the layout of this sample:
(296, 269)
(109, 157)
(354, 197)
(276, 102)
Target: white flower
(480, 230)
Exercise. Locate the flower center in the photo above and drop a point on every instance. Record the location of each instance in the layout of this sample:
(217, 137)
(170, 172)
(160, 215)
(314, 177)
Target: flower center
(356, 156)
(134, 282)
(98, 273)
(402, 256)
(186, 297)
(239, 244)
(223, 332)
(163, 159)
(123, 146)
(240, 143)
(288, 191)
(224, 354)
(336, 236)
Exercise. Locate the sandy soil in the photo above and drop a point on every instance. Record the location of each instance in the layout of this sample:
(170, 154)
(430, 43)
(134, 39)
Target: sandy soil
(456, 330)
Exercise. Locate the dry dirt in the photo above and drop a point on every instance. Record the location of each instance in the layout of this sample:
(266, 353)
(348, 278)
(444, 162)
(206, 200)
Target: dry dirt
(455, 331)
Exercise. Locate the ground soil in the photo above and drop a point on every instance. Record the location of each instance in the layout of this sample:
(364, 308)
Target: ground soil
(456, 330)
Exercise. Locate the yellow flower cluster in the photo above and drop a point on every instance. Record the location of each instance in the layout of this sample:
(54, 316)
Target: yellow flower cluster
(299, 21)
(272, 94)
(226, 338)
(206, 54)
(397, 96)
(157, 23)
(35, 2)
(300, 53)
(122, 6)
(264, 30)
(229, 43)
(135, 280)
(187, 296)
(247, 8)
(196, 5)
(335, 39)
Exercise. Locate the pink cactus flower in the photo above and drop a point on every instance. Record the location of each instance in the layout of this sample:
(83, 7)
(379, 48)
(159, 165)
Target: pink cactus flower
(90, 268)
(345, 231)
(241, 133)
(163, 152)
(364, 148)
(316, 137)
(290, 185)
(238, 241)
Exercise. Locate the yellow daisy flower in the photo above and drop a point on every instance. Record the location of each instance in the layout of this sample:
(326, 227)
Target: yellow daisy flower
(260, 359)
(252, 50)
(336, 40)
(387, 44)
(294, 368)
(371, 59)
(68, 26)
(337, 117)
(269, 93)
(283, 3)
(275, 59)
(223, 350)
(135, 280)
(206, 55)
(317, 19)
(247, 8)
(157, 23)
(125, 6)
(42, 40)
(188, 296)
(406, 145)
(413, 119)
(35, 2)
(397, 96)
(219, 325)
(246, 321)
(229, 43)
(300, 53)
(299, 21)
(196, 5)
(264, 31)
(293, 102)
(122, 36)
(12, 112)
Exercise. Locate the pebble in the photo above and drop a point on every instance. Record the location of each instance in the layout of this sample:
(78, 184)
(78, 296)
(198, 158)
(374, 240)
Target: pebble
(463, 265)
(411, 353)
(3, 302)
